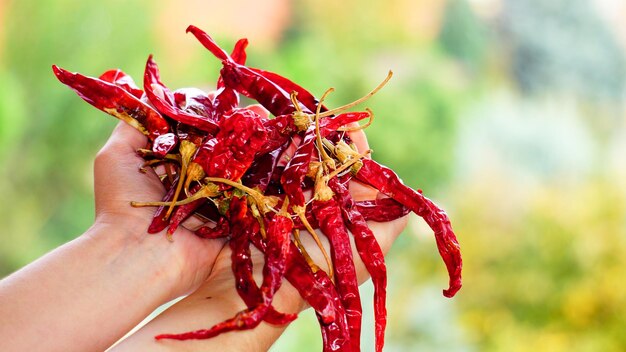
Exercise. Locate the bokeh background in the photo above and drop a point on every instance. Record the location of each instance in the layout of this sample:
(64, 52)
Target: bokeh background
(509, 113)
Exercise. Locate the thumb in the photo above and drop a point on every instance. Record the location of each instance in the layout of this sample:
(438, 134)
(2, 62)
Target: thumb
(125, 139)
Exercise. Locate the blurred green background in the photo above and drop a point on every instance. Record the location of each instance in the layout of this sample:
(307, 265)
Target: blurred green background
(509, 113)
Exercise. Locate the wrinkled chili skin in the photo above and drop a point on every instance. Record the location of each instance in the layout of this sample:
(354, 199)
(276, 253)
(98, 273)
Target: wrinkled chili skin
(226, 98)
(379, 210)
(311, 286)
(370, 252)
(221, 230)
(388, 182)
(297, 168)
(159, 223)
(233, 149)
(276, 252)
(195, 102)
(255, 86)
(260, 172)
(183, 212)
(382, 209)
(164, 143)
(328, 215)
(276, 255)
(165, 101)
(282, 128)
(246, 81)
(304, 96)
(244, 227)
(115, 101)
(279, 130)
(122, 80)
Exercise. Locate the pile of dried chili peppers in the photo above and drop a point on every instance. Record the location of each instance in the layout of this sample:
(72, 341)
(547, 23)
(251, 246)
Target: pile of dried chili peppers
(221, 162)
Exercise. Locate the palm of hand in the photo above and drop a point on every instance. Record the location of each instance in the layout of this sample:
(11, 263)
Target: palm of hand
(119, 181)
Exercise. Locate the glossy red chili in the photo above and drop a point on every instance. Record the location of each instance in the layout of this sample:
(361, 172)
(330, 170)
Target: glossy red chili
(388, 182)
(164, 100)
(116, 101)
(328, 215)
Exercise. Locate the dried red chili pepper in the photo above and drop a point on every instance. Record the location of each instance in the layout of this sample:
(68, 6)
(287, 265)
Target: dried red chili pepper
(370, 252)
(183, 212)
(245, 80)
(122, 80)
(165, 102)
(232, 150)
(304, 96)
(260, 172)
(331, 223)
(226, 98)
(164, 143)
(221, 229)
(159, 223)
(115, 101)
(381, 210)
(388, 182)
(297, 168)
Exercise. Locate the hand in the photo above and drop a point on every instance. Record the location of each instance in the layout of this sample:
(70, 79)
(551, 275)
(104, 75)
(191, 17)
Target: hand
(217, 299)
(187, 260)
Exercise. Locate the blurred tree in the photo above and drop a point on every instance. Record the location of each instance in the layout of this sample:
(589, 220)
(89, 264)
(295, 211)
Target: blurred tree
(464, 36)
(562, 46)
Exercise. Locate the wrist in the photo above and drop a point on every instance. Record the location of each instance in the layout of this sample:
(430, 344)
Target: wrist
(139, 259)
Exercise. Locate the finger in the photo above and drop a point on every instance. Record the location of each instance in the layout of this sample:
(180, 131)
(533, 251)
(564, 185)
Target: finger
(126, 139)
(359, 138)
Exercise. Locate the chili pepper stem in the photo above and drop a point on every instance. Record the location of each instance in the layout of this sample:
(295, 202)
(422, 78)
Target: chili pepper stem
(209, 190)
(149, 153)
(360, 100)
(168, 172)
(257, 215)
(194, 173)
(301, 120)
(187, 149)
(353, 161)
(320, 147)
(264, 203)
(301, 211)
(322, 191)
(296, 236)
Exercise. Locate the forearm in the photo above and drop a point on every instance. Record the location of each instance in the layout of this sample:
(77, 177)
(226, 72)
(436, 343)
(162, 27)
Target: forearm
(82, 296)
(214, 302)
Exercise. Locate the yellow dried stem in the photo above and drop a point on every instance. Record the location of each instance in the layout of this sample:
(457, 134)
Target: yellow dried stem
(264, 203)
(187, 150)
(301, 212)
(195, 172)
(360, 100)
(209, 190)
(320, 147)
(349, 164)
(305, 254)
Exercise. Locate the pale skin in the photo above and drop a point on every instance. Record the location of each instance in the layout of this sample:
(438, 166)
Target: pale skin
(88, 293)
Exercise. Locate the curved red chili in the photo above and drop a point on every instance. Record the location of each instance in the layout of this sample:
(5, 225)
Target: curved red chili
(331, 223)
(246, 81)
(388, 182)
(370, 252)
(161, 97)
(381, 210)
(122, 80)
(116, 101)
